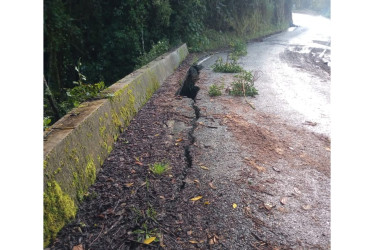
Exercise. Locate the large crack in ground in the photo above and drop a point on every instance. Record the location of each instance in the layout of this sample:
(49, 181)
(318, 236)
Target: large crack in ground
(190, 90)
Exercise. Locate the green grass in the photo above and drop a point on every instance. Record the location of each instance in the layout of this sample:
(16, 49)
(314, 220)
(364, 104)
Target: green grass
(230, 66)
(158, 168)
(215, 90)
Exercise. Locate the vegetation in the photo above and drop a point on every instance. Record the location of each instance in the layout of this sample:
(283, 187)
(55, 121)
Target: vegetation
(320, 6)
(111, 39)
(243, 85)
(215, 90)
(158, 168)
(230, 66)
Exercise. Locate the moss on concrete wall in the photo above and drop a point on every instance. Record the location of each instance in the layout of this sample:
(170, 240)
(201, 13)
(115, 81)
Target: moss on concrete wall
(76, 148)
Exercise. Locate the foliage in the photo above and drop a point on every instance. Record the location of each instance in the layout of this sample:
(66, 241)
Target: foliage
(239, 47)
(145, 233)
(243, 85)
(215, 90)
(157, 49)
(83, 92)
(230, 66)
(46, 121)
(115, 37)
(158, 168)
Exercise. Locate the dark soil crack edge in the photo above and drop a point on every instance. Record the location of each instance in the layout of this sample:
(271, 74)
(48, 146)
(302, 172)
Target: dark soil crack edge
(189, 90)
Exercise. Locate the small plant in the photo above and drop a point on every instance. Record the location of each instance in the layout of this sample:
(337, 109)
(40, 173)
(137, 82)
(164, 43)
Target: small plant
(215, 90)
(243, 85)
(84, 92)
(145, 233)
(151, 213)
(146, 216)
(46, 121)
(239, 48)
(230, 66)
(157, 49)
(158, 168)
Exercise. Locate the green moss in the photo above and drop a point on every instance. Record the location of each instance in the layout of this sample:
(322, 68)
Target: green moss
(90, 171)
(102, 130)
(115, 119)
(59, 208)
(128, 111)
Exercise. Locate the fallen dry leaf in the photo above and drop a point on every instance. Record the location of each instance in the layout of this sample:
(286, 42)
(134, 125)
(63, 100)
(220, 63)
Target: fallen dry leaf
(276, 169)
(157, 135)
(307, 207)
(129, 184)
(78, 247)
(258, 168)
(297, 191)
(149, 240)
(139, 163)
(234, 205)
(196, 198)
(193, 242)
(179, 140)
(162, 197)
(206, 203)
(213, 240)
(203, 167)
(211, 185)
(282, 209)
(268, 206)
(283, 201)
(279, 151)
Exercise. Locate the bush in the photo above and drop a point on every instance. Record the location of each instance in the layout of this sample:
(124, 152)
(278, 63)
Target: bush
(243, 85)
(239, 48)
(230, 66)
(215, 90)
(157, 49)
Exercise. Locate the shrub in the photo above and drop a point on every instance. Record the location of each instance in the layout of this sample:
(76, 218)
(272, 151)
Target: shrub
(230, 66)
(239, 48)
(215, 90)
(243, 85)
(157, 49)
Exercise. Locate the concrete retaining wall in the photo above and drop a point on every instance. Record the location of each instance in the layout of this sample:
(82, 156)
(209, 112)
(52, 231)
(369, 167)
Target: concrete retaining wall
(77, 145)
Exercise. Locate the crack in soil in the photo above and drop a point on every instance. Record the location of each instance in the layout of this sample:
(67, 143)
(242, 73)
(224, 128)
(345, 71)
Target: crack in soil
(190, 90)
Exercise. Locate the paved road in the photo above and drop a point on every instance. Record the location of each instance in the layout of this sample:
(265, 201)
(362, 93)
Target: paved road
(274, 161)
(292, 83)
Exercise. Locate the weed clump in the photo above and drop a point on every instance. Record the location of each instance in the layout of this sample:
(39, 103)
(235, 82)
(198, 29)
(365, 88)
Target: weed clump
(159, 168)
(230, 66)
(215, 90)
(243, 85)
(239, 48)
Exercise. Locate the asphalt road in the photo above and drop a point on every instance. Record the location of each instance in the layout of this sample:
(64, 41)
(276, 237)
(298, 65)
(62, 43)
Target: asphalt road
(272, 161)
(292, 84)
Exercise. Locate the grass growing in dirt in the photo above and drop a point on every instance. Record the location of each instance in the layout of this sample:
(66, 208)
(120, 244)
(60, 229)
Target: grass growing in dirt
(243, 85)
(146, 233)
(215, 90)
(230, 66)
(159, 168)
